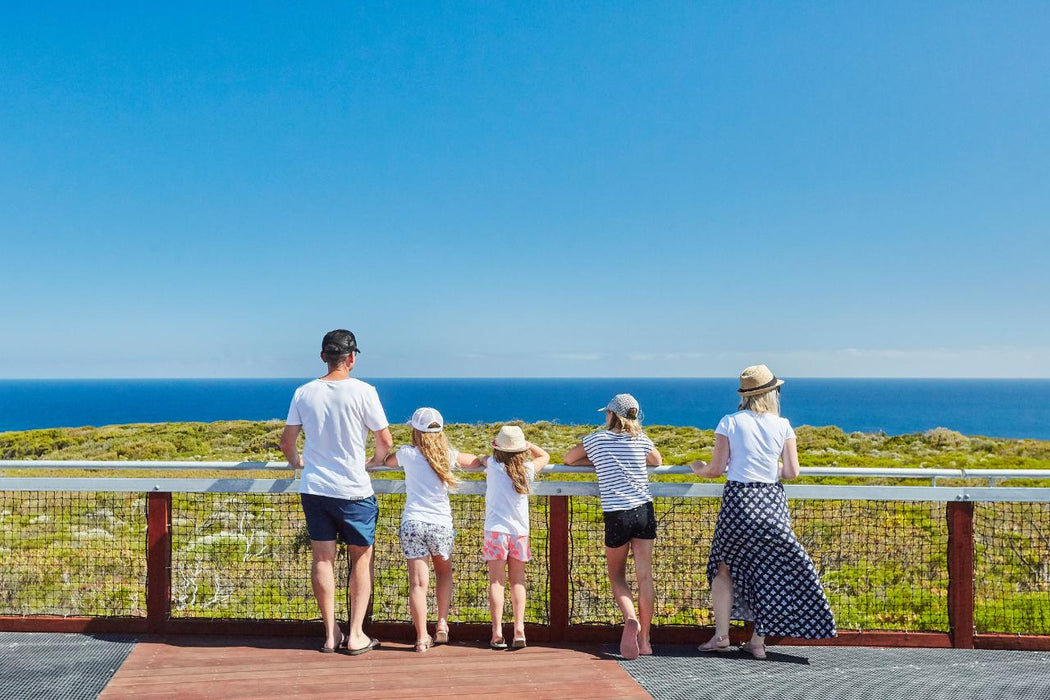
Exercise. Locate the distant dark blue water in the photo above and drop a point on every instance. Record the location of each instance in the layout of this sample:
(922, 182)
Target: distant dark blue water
(993, 407)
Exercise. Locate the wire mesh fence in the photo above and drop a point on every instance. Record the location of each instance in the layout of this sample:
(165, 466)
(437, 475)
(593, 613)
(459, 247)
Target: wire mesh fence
(72, 554)
(883, 563)
(247, 556)
(1012, 568)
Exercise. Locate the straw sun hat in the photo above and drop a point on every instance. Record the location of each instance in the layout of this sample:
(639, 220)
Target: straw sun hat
(510, 439)
(757, 379)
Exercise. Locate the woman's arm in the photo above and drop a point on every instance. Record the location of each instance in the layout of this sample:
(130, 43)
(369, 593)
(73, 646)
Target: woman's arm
(540, 458)
(790, 468)
(719, 460)
(577, 457)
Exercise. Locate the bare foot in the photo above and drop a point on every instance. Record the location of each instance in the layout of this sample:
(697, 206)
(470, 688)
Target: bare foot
(629, 639)
(645, 649)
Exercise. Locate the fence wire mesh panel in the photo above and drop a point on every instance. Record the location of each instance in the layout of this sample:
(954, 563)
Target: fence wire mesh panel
(1012, 567)
(72, 554)
(883, 564)
(470, 572)
(243, 556)
(247, 556)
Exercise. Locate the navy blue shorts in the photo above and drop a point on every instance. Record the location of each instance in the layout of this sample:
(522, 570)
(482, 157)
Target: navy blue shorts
(353, 521)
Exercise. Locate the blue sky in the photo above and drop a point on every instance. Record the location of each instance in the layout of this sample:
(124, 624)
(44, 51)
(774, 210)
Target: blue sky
(541, 189)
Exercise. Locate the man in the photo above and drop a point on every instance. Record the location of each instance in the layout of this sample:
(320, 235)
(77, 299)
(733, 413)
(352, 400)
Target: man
(336, 414)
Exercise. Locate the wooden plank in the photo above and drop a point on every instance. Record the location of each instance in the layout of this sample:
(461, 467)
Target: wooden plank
(192, 667)
(76, 625)
(1012, 642)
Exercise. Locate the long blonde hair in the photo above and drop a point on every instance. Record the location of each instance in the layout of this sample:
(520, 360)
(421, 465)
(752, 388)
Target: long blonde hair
(618, 424)
(514, 464)
(768, 402)
(434, 447)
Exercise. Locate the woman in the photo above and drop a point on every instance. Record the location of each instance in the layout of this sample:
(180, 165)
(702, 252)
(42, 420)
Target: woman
(757, 568)
(620, 455)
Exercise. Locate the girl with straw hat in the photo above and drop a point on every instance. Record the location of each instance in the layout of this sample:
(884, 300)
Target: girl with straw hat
(509, 473)
(757, 568)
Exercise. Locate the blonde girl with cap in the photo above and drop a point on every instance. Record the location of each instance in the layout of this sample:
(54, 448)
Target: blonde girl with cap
(509, 473)
(621, 455)
(757, 569)
(426, 530)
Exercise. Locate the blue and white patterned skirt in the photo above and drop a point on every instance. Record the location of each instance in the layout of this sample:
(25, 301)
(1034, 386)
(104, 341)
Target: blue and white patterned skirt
(774, 581)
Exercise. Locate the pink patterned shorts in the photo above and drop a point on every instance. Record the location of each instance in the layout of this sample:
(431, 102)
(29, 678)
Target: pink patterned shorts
(499, 546)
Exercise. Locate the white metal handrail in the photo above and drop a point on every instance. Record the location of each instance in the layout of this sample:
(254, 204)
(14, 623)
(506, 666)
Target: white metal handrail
(994, 476)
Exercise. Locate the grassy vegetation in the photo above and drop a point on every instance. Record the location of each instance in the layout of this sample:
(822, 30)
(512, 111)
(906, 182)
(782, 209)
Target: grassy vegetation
(242, 555)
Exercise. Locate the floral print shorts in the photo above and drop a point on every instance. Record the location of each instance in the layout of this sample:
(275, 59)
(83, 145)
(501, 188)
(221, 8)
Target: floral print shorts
(420, 539)
(499, 546)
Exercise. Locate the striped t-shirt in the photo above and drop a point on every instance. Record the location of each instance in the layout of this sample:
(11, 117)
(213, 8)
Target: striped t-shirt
(619, 461)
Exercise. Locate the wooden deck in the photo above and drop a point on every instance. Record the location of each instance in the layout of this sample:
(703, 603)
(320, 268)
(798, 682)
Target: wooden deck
(242, 667)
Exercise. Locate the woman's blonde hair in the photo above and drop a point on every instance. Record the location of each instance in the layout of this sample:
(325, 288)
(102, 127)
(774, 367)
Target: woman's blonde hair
(618, 424)
(768, 402)
(514, 464)
(434, 447)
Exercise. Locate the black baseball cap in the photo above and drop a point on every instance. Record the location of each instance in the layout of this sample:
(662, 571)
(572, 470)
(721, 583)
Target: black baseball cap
(339, 342)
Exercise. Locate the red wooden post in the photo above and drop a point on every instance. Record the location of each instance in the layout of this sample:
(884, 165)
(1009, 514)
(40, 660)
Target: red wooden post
(558, 541)
(158, 561)
(960, 574)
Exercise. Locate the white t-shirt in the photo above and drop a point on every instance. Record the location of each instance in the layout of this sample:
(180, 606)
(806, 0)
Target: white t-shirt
(426, 496)
(756, 441)
(619, 462)
(506, 510)
(336, 417)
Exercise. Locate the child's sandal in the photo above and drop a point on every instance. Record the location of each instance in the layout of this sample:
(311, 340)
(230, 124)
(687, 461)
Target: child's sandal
(715, 643)
(441, 636)
(423, 644)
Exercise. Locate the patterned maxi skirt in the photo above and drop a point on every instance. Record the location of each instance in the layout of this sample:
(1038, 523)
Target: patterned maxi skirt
(774, 581)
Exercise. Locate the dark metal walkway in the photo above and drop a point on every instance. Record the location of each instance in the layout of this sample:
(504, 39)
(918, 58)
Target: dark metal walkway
(845, 672)
(50, 665)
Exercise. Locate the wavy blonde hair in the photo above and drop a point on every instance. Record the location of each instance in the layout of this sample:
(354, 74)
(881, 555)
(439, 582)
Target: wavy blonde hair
(631, 424)
(514, 464)
(434, 447)
(768, 402)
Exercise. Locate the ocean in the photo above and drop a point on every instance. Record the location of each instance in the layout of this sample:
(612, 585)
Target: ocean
(1013, 408)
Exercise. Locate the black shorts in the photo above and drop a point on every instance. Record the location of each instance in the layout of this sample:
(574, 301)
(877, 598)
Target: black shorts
(622, 526)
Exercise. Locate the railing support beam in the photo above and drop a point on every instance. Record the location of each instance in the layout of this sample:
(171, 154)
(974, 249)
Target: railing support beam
(158, 561)
(558, 592)
(960, 574)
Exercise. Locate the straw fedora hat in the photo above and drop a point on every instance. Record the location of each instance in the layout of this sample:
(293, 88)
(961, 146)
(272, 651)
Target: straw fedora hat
(757, 379)
(510, 439)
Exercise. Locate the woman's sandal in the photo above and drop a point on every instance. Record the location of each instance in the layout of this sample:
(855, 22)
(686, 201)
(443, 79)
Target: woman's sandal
(423, 644)
(715, 643)
(441, 636)
(757, 651)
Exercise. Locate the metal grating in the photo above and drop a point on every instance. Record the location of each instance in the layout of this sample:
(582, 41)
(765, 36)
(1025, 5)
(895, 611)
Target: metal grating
(840, 672)
(55, 665)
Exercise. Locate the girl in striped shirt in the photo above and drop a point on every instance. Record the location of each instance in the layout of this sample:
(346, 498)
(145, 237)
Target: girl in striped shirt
(620, 455)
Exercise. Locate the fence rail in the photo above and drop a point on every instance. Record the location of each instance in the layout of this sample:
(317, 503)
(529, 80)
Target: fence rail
(904, 565)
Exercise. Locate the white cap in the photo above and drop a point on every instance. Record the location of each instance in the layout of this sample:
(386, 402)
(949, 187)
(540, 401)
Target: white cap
(424, 417)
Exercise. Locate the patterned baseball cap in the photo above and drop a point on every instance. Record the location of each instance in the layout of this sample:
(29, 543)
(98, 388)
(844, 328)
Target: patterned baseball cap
(620, 404)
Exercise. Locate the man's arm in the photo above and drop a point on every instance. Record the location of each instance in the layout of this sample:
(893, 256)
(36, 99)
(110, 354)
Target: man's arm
(384, 442)
(288, 447)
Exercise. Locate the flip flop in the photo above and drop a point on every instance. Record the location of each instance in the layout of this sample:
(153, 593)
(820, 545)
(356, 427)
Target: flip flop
(372, 644)
(498, 646)
(337, 647)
